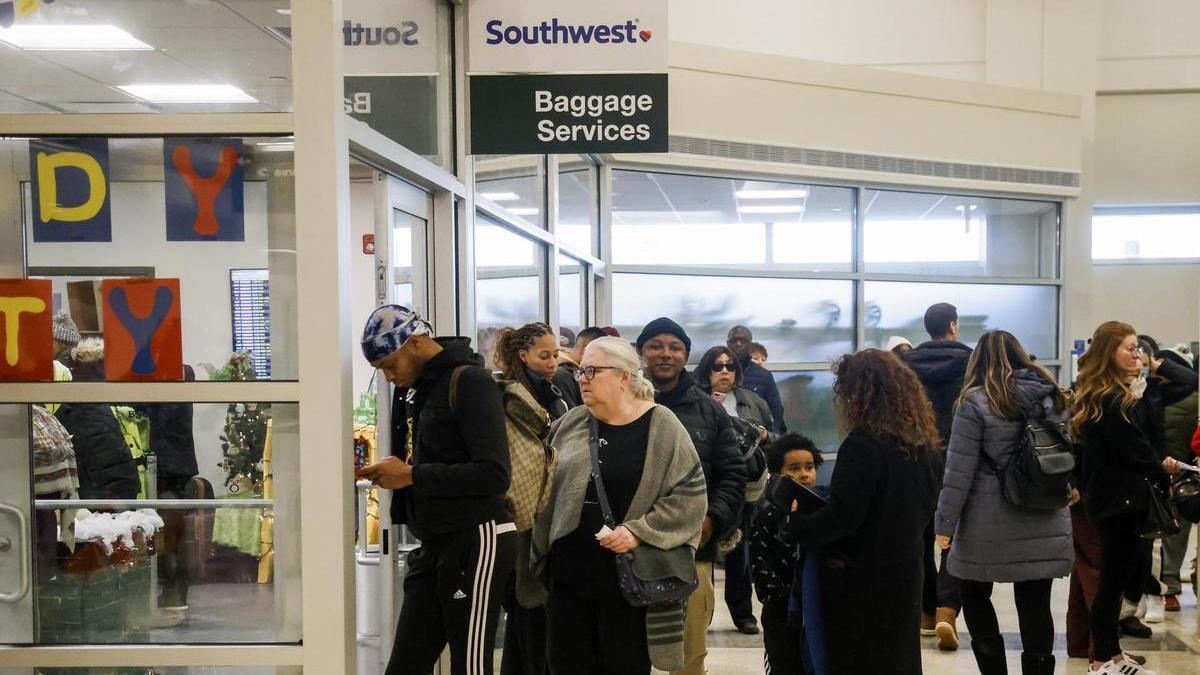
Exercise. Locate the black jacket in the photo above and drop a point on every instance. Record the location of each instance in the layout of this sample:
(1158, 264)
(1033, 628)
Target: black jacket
(941, 366)
(760, 381)
(720, 456)
(461, 469)
(171, 439)
(1117, 459)
(773, 550)
(557, 395)
(106, 466)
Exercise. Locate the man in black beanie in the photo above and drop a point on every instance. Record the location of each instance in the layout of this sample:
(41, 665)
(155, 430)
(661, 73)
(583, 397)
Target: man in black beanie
(665, 346)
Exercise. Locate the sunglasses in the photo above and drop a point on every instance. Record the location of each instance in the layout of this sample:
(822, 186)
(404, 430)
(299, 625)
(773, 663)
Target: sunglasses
(727, 367)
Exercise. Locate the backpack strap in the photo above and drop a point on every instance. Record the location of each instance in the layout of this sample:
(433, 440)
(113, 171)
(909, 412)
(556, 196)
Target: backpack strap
(454, 387)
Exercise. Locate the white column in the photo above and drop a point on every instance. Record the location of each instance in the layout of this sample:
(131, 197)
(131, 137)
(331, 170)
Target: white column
(323, 266)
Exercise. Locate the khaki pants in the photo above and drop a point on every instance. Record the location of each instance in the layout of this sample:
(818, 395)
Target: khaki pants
(695, 628)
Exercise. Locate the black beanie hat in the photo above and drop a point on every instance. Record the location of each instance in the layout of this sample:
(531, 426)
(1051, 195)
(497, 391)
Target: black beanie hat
(660, 326)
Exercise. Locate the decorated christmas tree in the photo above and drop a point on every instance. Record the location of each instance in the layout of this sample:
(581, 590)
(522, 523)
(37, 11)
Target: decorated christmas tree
(245, 434)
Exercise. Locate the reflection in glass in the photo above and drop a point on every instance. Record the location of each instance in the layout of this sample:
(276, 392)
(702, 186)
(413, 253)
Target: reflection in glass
(1029, 312)
(808, 406)
(669, 219)
(117, 568)
(215, 296)
(578, 205)
(798, 320)
(509, 270)
(921, 233)
(572, 295)
(516, 182)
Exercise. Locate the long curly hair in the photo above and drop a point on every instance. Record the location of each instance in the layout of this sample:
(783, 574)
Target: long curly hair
(1100, 380)
(510, 344)
(996, 357)
(878, 395)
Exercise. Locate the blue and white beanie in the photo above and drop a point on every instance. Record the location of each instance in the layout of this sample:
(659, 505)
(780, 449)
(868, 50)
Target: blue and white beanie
(388, 327)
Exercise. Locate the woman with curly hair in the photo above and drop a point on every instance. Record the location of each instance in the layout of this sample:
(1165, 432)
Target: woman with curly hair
(529, 355)
(870, 532)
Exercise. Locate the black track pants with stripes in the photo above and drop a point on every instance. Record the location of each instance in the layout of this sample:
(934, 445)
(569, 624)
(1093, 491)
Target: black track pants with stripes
(452, 594)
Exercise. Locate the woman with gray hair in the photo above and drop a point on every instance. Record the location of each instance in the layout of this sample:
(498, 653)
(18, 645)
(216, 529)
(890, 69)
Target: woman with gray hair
(655, 487)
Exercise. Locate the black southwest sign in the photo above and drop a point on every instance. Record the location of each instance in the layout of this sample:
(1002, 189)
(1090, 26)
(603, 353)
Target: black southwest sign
(553, 114)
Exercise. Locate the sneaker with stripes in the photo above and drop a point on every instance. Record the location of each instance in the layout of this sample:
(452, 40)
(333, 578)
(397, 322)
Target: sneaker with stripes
(1122, 667)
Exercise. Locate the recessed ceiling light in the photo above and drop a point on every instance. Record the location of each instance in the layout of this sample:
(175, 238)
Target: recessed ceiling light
(285, 12)
(500, 196)
(771, 209)
(524, 211)
(188, 93)
(71, 37)
(772, 194)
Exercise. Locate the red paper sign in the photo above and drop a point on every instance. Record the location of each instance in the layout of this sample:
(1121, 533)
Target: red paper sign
(142, 332)
(369, 244)
(26, 336)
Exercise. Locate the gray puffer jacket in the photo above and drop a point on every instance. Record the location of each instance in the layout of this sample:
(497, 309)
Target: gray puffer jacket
(991, 539)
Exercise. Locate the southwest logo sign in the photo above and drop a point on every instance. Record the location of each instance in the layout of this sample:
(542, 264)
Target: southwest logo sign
(142, 331)
(26, 337)
(553, 32)
(70, 190)
(204, 190)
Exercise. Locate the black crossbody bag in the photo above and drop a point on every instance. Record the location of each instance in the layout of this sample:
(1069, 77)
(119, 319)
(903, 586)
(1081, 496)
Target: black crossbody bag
(637, 591)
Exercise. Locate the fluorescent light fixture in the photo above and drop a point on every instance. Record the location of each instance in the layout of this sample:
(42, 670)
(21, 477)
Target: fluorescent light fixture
(188, 93)
(772, 194)
(285, 12)
(71, 37)
(524, 211)
(771, 209)
(500, 196)
(276, 146)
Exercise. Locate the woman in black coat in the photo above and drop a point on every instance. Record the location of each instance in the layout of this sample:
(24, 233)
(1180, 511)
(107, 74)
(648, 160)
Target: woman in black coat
(882, 494)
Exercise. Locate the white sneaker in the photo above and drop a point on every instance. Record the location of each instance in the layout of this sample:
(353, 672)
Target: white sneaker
(1122, 667)
(1155, 609)
(1128, 609)
(1141, 608)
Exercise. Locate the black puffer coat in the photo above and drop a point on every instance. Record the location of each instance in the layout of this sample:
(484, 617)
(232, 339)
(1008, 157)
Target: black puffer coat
(106, 467)
(940, 365)
(720, 456)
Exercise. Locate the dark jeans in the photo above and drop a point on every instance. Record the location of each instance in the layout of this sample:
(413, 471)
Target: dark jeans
(524, 638)
(174, 560)
(784, 644)
(596, 636)
(1033, 615)
(940, 589)
(1124, 557)
(738, 588)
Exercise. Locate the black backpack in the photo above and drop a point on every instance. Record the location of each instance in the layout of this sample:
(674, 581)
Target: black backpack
(1039, 475)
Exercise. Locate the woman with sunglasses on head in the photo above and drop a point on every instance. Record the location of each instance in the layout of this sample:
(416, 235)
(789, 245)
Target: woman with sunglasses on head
(720, 375)
(1120, 467)
(656, 500)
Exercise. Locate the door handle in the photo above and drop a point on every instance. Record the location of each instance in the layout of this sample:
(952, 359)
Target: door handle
(22, 551)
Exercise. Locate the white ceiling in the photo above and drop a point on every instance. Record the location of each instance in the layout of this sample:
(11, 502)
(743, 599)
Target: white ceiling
(195, 42)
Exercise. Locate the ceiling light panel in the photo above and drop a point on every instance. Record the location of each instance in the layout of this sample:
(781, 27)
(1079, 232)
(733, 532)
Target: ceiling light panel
(782, 208)
(188, 93)
(71, 37)
(772, 194)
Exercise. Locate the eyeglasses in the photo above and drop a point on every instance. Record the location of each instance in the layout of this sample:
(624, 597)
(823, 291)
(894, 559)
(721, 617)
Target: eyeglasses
(588, 373)
(727, 367)
(1136, 351)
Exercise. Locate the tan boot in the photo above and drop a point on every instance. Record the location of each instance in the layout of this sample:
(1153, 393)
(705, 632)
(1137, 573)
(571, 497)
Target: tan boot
(927, 625)
(947, 629)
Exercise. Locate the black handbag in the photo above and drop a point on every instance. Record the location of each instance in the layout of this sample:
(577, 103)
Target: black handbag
(637, 591)
(1185, 495)
(1162, 520)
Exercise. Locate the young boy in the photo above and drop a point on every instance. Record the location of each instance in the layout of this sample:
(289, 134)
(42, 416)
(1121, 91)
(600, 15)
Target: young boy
(775, 558)
(758, 353)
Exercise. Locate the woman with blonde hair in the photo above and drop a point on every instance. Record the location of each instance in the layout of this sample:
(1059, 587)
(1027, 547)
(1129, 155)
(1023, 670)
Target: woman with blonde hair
(651, 475)
(871, 531)
(1120, 468)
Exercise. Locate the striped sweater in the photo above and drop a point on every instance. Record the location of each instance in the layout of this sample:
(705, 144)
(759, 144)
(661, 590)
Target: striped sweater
(667, 512)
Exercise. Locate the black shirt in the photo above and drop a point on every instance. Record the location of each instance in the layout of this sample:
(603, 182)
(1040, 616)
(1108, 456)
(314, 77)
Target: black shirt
(578, 561)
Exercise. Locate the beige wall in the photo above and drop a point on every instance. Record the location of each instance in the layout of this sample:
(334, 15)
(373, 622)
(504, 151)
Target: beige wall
(1148, 152)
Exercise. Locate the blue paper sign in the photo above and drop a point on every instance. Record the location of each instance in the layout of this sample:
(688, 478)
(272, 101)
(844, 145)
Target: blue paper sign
(204, 190)
(70, 190)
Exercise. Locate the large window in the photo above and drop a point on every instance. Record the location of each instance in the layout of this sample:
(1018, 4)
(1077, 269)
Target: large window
(1145, 233)
(578, 203)
(781, 258)
(572, 294)
(514, 182)
(510, 278)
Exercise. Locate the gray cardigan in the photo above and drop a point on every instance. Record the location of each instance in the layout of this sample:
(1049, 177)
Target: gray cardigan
(666, 515)
(991, 539)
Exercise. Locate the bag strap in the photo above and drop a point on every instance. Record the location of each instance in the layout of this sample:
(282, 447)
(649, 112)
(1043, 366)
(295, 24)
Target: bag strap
(454, 387)
(594, 451)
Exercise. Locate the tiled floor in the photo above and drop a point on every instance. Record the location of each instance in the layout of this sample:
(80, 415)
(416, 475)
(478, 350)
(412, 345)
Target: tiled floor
(1174, 649)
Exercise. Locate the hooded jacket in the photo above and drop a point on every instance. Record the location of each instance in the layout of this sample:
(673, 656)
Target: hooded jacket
(941, 366)
(461, 469)
(992, 539)
(106, 466)
(720, 454)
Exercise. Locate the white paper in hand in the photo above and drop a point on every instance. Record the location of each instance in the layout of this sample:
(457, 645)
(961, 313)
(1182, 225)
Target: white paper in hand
(604, 532)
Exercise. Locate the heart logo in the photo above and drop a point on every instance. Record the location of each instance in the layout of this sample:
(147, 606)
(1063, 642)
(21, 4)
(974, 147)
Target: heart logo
(645, 35)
